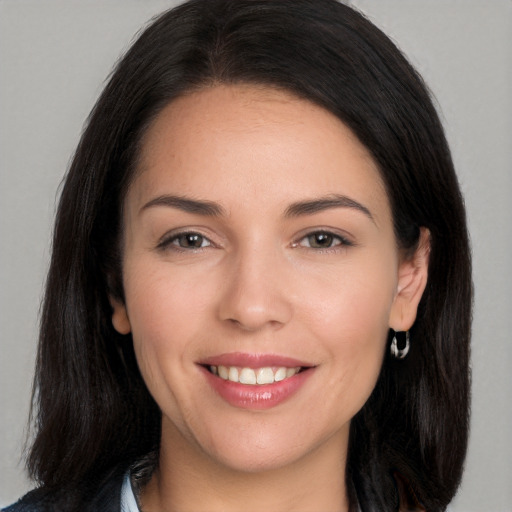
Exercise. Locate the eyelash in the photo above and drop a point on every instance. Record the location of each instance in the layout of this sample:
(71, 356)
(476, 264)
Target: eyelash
(337, 242)
(341, 241)
(174, 239)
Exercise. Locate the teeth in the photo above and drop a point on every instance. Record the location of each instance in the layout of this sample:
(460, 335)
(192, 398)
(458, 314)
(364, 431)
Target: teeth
(247, 376)
(252, 376)
(233, 374)
(223, 372)
(290, 372)
(281, 374)
(265, 376)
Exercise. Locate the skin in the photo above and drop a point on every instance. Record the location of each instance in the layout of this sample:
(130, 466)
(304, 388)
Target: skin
(258, 285)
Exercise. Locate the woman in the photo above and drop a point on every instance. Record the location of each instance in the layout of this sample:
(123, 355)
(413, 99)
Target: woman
(259, 294)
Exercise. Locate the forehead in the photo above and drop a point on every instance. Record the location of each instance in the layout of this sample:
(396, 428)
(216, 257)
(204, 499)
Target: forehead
(247, 142)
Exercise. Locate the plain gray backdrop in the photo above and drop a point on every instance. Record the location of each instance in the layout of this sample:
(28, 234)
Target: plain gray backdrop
(54, 58)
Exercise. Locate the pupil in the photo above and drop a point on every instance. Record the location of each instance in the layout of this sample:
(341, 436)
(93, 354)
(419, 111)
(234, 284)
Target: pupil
(191, 240)
(321, 240)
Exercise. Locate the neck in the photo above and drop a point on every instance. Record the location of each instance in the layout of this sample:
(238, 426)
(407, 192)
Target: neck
(186, 480)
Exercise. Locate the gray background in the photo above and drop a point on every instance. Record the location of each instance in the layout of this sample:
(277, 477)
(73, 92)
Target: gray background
(54, 57)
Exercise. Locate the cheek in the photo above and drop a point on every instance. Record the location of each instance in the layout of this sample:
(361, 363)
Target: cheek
(152, 304)
(170, 316)
(164, 312)
(353, 301)
(158, 298)
(349, 318)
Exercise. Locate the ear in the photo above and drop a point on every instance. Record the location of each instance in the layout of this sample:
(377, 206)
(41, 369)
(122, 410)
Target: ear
(412, 279)
(120, 319)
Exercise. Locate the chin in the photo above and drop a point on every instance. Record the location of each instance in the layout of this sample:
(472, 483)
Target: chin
(267, 448)
(258, 459)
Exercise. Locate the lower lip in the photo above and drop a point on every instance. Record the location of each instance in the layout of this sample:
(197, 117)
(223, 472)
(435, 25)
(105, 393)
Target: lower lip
(257, 397)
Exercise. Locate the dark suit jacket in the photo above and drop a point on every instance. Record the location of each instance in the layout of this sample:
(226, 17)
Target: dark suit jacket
(105, 496)
(102, 496)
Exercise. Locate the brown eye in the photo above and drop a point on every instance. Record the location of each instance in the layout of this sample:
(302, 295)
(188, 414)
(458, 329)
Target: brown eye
(190, 241)
(322, 240)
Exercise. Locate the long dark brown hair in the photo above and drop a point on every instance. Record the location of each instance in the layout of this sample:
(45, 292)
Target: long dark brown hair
(92, 410)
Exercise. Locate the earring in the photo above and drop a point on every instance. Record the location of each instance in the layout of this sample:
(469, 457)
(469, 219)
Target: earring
(400, 353)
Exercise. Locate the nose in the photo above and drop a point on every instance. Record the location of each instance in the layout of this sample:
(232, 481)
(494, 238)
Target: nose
(256, 295)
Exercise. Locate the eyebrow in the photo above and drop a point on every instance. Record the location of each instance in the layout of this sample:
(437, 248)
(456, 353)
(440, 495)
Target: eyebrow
(207, 208)
(298, 209)
(324, 203)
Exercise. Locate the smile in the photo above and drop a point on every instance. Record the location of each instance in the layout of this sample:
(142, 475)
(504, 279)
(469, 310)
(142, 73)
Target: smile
(254, 376)
(255, 381)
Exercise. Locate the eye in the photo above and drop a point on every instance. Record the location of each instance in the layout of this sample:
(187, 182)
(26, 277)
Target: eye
(322, 240)
(188, 240)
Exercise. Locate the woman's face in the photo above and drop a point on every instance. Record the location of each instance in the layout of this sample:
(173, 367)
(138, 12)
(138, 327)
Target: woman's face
(261, 275)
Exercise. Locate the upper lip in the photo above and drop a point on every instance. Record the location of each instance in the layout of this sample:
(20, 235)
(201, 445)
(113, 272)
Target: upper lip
(247, 360)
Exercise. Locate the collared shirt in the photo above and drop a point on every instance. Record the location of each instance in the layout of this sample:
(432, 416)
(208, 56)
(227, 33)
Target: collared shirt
(128, 501)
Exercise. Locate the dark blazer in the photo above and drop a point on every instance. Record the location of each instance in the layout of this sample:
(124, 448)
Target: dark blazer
(103, 496)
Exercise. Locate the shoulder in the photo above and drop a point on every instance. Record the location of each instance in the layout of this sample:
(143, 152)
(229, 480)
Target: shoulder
(34, 501)
(100, 496)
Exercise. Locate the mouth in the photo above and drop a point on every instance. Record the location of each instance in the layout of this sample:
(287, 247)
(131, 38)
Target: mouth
(255, 381)
(255, 376)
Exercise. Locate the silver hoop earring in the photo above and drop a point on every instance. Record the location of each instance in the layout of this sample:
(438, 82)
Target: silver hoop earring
(400, 353)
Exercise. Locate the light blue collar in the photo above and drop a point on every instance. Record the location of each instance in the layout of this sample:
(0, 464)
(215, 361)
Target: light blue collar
(128, 502)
